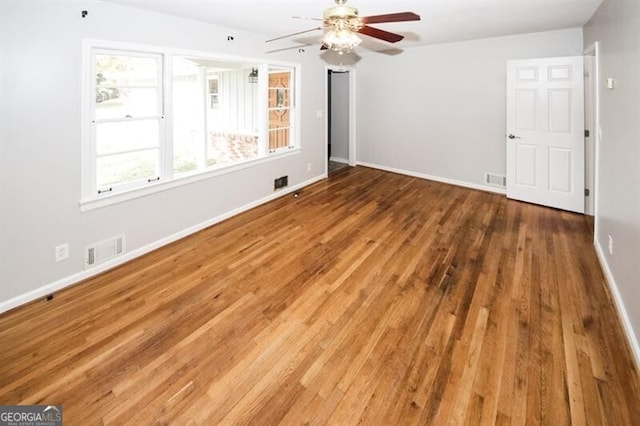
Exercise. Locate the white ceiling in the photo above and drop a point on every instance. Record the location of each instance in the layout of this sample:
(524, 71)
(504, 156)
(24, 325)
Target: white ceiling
(442, 21)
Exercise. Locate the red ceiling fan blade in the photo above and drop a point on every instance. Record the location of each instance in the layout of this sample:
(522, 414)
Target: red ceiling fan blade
(293, 34)
(381, 34)
(390, 17)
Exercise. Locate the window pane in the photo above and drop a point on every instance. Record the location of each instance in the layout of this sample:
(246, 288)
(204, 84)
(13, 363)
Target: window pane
(279, 119)
(279, 138)
(279, 109)
(188, 116)
(125, 168)
(126, 136)
(279, 89)
(125, 70)
(279, 124)
(112, 102)
(229, 148)
(215, 113)
(279, 98)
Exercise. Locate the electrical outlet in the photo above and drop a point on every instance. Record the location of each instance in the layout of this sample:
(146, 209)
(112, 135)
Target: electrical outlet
(308, 167)
(610, 244)
(62, 252)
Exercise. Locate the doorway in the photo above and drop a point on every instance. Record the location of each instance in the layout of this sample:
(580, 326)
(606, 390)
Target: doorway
(340, 119)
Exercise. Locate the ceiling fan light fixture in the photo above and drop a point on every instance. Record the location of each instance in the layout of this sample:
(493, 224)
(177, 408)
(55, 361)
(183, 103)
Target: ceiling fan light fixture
(340, 40)
(342, 24)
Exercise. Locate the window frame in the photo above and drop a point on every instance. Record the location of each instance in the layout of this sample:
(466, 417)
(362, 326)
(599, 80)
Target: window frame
(159, 116)
(292, 108)
(90, 199)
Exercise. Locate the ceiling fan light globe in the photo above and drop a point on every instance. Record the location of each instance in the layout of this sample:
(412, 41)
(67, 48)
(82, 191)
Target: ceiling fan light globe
(340, 40)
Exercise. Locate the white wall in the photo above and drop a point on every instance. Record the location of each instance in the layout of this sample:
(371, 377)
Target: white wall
(40, 140)
(340, 115)
(616, 26)
(439, 110)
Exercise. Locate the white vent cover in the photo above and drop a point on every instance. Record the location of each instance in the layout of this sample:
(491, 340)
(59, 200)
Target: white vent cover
(495, 179)
(98, 253)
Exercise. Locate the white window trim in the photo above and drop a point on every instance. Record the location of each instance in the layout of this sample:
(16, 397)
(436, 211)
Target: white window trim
(90, 200)
(119, 197)
(159, 116)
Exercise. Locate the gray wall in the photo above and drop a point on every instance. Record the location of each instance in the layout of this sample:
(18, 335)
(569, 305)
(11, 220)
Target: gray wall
(439, 110)
(40, 140)
(340, 115)
(616, 26)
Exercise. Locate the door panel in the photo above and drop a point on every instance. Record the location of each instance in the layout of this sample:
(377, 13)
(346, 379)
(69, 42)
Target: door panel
(527, 158)
(560, 110)
(560, 169)
(545, 127)
(526, 109)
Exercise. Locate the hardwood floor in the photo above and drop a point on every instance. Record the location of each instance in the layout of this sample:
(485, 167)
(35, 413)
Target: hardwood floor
(372, 298)
(335, 166)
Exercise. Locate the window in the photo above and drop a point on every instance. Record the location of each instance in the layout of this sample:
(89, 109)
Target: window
(221, 130)
(280, 109)
(127, 119)
(158, 116)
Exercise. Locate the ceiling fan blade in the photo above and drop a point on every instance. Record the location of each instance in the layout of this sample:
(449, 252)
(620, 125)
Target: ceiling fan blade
(381, 34)
(293, 34)
(324, 47)
(390, 17)
(284, 49)
(305, 17)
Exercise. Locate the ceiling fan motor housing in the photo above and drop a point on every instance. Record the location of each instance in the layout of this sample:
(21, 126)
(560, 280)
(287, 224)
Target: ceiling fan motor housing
(342, 16)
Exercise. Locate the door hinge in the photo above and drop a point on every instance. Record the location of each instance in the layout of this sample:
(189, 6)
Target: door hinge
(586, 133)
(586, 192)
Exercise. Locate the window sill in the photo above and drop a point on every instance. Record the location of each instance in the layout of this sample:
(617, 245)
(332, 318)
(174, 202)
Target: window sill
(93, 203)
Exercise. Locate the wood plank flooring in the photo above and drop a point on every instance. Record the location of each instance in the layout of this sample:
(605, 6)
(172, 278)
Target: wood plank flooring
(372, 298)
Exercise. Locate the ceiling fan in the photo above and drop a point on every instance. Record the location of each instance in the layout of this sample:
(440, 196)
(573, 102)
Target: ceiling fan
(343, 22)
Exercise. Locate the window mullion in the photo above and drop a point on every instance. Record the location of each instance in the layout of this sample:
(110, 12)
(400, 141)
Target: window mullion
(202, 151)
(263, 108)
(128, 151)
(93, 167)
(127, 119)
(166, 124)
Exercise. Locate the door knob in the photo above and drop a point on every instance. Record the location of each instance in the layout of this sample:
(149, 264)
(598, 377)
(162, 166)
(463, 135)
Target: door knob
(512, 136)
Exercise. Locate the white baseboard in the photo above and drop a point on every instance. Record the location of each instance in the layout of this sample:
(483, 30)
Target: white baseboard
(83, 275)
(339, 160)
(435, 178)
(617, 298)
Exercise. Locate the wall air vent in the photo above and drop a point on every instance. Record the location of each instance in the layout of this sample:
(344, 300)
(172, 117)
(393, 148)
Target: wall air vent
(98, 253)
(281, 182)
(495, 179)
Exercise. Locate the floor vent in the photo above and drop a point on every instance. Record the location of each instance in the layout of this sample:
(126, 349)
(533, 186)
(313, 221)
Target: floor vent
(494, 179)
(98, 253)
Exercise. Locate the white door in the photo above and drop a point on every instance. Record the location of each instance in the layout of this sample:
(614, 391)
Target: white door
(545, 132)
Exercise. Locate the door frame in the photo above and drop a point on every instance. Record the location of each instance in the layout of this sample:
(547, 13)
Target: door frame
(594, 50)
(352, 113)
